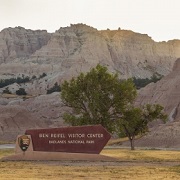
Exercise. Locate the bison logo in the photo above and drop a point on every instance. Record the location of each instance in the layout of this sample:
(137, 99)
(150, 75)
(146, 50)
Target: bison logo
(24, 142)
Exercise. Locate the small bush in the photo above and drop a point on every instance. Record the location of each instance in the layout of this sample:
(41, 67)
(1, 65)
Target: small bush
(6, 91)
(19, 80)
(42, 75)
(55, 88)
(21, 91)
(33, 77)
(140, 83)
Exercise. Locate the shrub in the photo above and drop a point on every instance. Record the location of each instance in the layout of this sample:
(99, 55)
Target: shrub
(42, 75)
(6, 91)
(140, 83)
(21, 91)
(55, 88)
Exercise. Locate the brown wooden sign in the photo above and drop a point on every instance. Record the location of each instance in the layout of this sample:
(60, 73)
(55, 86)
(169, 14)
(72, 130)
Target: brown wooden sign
(77, 139)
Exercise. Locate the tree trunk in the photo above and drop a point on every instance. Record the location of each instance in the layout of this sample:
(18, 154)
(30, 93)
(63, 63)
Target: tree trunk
(132, 143)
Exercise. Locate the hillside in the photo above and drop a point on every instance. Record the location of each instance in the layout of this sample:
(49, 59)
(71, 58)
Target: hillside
(167, 93)
(44, 59)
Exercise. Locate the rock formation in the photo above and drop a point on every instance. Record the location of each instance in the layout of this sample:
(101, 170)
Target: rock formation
(80, 47)
(167, 93)
(66, 53)
(71, 50)
(131, 54)
(20, 43)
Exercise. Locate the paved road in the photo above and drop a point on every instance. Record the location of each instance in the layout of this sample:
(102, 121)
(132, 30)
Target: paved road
(7, 146)
(11, 146)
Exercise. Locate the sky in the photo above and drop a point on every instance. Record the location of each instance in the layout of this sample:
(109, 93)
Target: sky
(159, 19)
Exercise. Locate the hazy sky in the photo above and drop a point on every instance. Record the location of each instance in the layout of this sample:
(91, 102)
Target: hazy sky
(160, 19)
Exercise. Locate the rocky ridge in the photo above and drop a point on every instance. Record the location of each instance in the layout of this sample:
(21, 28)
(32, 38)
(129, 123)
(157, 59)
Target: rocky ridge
(71, 50)
(80, 46)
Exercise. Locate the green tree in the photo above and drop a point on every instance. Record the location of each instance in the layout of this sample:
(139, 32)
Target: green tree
(135, 120)
(97, 97)
(140, 83)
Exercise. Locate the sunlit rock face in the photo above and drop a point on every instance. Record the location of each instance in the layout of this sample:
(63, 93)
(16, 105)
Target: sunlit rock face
(131, 54)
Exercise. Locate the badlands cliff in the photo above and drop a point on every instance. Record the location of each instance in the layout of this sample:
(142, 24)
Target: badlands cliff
(66, 53)
(79, 47)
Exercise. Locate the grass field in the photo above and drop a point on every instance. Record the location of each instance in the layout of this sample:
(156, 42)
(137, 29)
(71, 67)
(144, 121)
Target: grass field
(132, 165)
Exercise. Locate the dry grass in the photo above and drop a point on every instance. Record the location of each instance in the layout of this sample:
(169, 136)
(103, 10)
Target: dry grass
(15, 96)
(6, 152)
(7, 142)
(143, 155)
(9, 95)
(93, 170)
(27, 170)
(119, 141)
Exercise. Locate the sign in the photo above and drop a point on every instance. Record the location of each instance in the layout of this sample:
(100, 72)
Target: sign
(74, 139)
(24, 142)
